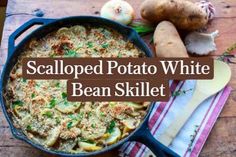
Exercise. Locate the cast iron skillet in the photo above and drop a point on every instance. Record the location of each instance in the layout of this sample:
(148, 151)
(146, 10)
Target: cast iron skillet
(141, 134)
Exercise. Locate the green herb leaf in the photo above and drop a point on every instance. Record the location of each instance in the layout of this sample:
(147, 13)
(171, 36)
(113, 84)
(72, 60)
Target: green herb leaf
(69, 125)
(52, 103)
(111, 126)
(105, 45)
(119, 55)
(17, 103)
(93, 126)
(80, 115)
(32, 95)
(29, 127)
(57, 84)
(102, 114)
(70, 53)
(24, 80)
(66, 103)
(64, 95)
(89, 44)
(48, 114)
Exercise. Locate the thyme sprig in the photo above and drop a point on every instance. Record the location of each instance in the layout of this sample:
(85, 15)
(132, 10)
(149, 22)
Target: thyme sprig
(227, 56)
(193, 136)
(181, 92)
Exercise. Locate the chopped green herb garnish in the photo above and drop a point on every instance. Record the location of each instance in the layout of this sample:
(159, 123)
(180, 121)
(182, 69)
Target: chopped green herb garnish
(52, 103)
(66, 103)
(119, 55)
(70, 53)
(24, 80)
(69, 125)
(105, 45)
(102, 114)
(32, 95)
(48, 114)
(89, 44)
(111, 126)
(17, 103)
(58, 84)
(29, 127)
(93, 126)
(64, 95)
(80, 115)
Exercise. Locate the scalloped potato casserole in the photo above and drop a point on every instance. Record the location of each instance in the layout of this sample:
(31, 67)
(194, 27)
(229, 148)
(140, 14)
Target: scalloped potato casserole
(40, 107)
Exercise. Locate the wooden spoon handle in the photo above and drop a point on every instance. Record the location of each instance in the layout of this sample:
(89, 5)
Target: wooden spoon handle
(172, 130)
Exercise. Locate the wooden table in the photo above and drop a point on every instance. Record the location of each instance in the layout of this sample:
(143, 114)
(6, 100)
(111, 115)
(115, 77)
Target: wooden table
(221, 141)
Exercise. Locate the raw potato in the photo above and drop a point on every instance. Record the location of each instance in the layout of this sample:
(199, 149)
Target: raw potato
(67, 107)
(168, 42)
(53, 136)
(114, 137)
(182, 13)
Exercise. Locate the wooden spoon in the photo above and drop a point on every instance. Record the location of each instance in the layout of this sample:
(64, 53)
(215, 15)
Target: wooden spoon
(203, 90)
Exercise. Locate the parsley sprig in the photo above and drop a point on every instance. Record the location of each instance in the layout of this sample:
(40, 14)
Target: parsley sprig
(228, 55)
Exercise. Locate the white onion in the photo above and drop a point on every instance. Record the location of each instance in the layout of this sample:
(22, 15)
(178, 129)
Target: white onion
(118, 10)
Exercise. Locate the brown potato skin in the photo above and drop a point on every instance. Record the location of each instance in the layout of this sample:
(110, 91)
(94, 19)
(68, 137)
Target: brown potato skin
(182, 13)
(168, 42)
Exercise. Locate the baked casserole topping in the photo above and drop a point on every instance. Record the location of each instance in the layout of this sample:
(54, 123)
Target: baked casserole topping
(40, 107)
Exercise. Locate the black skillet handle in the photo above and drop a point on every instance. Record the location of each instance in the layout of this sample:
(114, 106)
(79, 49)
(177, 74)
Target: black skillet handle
(22, 29)
(144, 136)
